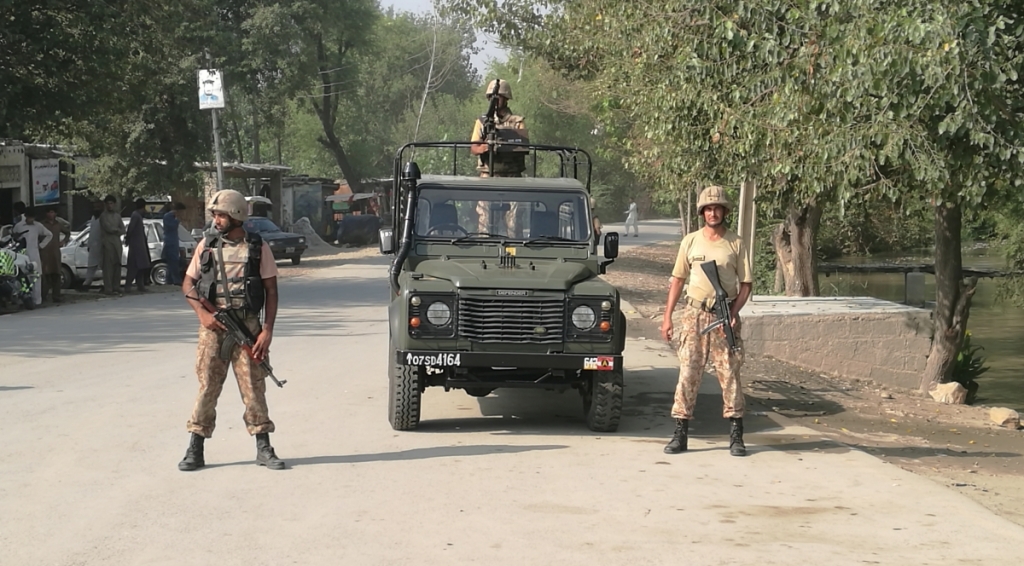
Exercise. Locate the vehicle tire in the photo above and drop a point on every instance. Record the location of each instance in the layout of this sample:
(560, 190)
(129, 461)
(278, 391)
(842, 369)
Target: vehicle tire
(602, 399)
(403, 394)
(67, 279)
(29, 303)
(296, 260)
(479, 391)
(160, 274)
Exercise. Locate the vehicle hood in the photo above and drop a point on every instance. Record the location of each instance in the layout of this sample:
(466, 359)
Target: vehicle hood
(471, 273)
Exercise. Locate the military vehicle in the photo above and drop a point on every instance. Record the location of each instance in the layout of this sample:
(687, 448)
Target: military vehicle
(495, 285)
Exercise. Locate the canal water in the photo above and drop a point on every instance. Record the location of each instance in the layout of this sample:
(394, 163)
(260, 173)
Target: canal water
(996, 326)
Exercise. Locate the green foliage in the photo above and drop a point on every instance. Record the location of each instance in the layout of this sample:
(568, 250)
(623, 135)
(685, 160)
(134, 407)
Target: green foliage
(969, 366)
(865, 225)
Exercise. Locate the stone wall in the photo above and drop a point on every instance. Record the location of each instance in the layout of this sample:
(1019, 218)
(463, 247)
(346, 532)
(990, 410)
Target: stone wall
(849, 336)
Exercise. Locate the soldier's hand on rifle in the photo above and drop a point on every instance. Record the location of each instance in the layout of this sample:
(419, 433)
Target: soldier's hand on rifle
(208, 321)
(262, 347)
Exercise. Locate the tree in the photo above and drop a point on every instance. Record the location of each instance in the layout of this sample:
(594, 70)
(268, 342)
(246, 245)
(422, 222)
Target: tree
(819, 100)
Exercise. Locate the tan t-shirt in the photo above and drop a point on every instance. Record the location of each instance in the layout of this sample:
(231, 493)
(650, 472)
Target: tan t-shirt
(728, 252)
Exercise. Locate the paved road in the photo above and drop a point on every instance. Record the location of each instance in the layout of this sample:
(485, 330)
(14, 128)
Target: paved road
(94, 399)
(651, 232)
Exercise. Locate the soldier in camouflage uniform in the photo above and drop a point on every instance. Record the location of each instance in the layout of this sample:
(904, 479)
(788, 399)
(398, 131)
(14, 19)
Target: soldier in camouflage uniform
(712, 242)
(235, 271)
(507, 163)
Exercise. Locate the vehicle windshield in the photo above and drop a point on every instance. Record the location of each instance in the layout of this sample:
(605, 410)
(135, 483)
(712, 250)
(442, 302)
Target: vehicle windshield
(466, 214)
(260, 224)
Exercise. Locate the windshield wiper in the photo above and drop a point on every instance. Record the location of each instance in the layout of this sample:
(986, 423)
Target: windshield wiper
(472, 235)
(548, 239)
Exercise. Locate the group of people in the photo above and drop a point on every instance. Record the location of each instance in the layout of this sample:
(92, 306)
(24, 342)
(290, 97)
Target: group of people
(43, 241)
(234, 270)
(107, 237)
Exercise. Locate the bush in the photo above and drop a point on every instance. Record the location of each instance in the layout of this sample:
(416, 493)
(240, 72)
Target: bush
(969, 366)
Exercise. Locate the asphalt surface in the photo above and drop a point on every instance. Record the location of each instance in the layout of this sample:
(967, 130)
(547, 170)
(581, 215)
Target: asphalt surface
(95, 396)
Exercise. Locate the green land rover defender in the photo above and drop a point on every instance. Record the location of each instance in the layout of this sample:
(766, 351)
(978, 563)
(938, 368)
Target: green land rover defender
(495, 284)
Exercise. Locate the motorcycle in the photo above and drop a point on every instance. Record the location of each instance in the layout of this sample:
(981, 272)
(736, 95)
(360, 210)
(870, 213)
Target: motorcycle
(17, 273)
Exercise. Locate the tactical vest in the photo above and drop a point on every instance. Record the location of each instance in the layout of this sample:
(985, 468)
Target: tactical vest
(513, 160)
(245, 290)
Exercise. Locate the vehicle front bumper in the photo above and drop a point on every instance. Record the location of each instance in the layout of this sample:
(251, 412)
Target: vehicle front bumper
(442, 359)
(282, 251)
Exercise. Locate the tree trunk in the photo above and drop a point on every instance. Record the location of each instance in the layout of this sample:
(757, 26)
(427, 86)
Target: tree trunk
(684, 217)
(952, 298)
(795, 242)
(327, 111)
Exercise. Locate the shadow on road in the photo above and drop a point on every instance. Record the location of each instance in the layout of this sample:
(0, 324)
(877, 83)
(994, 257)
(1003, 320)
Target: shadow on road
(15, 387)
(413, 454)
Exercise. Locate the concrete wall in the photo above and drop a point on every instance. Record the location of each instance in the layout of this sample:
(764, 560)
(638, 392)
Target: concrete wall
(850, 337)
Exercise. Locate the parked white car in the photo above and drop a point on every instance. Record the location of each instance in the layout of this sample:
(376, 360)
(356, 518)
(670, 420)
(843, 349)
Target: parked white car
(74, 257)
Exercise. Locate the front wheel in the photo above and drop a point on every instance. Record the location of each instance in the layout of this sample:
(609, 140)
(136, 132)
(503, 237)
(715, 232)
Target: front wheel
(403, 393)
(160, 275)
(67, 278)
(602, 399)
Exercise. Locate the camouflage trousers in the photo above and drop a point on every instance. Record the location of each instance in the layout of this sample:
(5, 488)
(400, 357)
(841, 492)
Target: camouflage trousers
(694, 352)
(212, 371)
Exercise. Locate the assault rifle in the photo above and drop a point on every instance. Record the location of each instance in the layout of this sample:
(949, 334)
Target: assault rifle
(721, 308)
(490, 128)
(240, 333)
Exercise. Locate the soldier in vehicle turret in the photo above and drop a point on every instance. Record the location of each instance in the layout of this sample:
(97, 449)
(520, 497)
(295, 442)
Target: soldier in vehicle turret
(500, 124)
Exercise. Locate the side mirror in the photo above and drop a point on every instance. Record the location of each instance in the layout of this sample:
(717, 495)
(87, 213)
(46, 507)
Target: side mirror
(387, 241)
(611, 245)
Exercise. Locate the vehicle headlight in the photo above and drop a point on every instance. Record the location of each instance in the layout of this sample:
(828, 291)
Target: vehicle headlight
(606, 306)
(302, 240)
(439, 313)
(583, 317)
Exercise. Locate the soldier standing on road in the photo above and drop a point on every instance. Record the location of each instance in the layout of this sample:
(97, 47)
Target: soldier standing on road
(509, 163)
(235, 271)
(61, 231)
(112, 228)
(712, 242)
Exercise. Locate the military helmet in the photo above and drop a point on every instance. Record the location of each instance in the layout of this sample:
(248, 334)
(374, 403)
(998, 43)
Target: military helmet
(713, 195)
(230, 202)
(503, 89)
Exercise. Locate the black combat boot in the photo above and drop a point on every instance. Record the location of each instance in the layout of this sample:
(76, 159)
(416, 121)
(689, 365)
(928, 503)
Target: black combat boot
(193, 459)
(736, 446)
(678, 442)
(265, 453)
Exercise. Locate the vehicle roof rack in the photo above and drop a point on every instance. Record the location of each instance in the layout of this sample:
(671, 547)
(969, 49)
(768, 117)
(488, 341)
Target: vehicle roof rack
(572, 159)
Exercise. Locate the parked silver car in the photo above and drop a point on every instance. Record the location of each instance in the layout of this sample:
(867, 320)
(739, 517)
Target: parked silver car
(74, 257)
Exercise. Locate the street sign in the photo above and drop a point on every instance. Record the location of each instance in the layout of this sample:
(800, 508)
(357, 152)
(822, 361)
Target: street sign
(211, 89)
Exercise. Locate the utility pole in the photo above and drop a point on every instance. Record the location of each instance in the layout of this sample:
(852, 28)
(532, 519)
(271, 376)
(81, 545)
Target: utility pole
(211, 96)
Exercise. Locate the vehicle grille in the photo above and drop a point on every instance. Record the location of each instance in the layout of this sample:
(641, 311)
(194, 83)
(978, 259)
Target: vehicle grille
(512, 320)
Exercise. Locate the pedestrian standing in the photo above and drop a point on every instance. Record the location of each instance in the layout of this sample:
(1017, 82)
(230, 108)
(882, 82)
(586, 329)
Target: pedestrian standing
(61, 231)
(234, 271)
(112, 227)
(632, 219)
(171, 253)
(34, 236)
(94, 244)
(713, 242)
(139, 261)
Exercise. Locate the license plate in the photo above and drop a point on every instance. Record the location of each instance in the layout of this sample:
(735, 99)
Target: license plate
(289, 250)
(437, 360)
(600, 363)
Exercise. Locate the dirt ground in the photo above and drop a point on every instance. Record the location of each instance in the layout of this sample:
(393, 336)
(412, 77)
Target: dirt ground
(955, 445)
